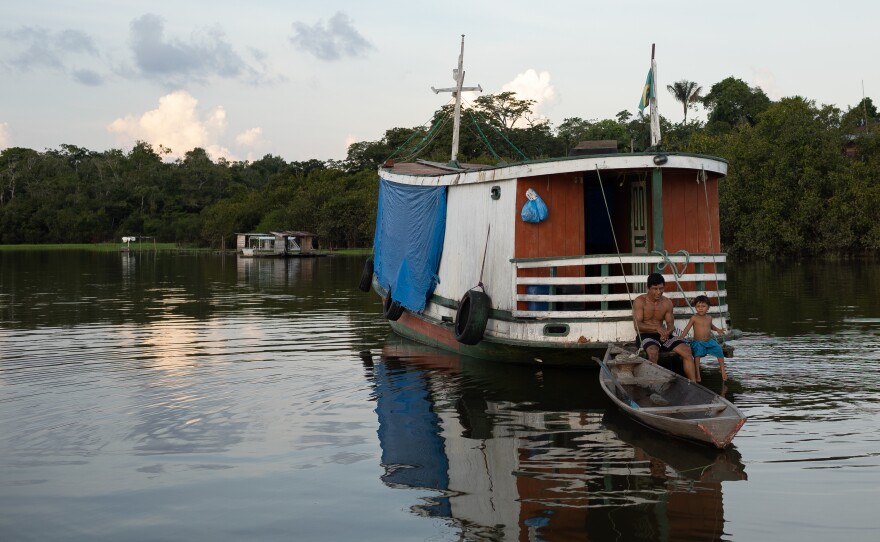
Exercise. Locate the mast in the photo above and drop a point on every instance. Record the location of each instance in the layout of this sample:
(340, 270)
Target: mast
(458, 77)
(655, 114)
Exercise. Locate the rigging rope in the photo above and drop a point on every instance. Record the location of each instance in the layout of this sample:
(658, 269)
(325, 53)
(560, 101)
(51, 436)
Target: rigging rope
(676, 273)
(500, 133)
(434, 130)
(429, 137)
(619, 258)
(701, 176)
(483, 136)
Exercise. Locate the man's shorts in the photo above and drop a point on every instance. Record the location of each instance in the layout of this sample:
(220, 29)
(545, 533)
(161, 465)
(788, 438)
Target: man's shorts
(653, 339)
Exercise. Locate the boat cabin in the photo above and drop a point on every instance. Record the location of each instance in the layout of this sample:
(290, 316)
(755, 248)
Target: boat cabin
(279, 244)
(569, 279)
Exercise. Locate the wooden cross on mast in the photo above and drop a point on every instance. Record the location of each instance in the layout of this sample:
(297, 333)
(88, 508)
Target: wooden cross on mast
(458, 77)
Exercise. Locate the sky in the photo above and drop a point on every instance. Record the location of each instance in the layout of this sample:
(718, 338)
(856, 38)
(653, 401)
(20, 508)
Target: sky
(303, 80)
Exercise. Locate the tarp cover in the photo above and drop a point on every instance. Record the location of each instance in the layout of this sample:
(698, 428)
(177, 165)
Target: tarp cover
(410, 224)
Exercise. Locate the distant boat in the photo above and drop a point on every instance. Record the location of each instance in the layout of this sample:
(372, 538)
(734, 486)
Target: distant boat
(666, 401)
(459, 268)
(276, 244)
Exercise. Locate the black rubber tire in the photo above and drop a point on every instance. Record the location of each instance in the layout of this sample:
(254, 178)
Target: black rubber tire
(391, 309)
(366, 276)
(472, 317)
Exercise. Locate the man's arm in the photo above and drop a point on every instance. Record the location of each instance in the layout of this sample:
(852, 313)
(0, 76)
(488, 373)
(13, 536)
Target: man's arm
(668, 319)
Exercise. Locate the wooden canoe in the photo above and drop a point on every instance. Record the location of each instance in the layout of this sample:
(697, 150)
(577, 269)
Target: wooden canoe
(666, 401)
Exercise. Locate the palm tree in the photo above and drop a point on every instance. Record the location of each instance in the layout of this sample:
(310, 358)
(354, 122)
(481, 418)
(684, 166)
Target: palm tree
(686, 92)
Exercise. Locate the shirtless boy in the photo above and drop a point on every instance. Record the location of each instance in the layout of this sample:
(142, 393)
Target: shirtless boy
(652, 314)
(703, 343)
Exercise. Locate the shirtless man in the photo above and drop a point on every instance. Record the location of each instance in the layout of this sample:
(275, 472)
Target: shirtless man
(652, 314)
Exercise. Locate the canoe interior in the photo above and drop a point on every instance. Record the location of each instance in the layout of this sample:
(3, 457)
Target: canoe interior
(667, 401)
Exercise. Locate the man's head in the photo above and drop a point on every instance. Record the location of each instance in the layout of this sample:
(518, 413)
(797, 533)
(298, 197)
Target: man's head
(654, 279)
(656, 285)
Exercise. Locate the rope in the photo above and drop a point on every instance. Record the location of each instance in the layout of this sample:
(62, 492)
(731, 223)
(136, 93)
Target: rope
(429, 137)
(701, 176)
(483, 265)
(500, 133)
(676, 273)
(619, 258)
(483, 136)
(415, 132)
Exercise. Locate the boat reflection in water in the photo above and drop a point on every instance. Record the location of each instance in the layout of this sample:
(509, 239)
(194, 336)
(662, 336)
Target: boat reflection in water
(516, 453)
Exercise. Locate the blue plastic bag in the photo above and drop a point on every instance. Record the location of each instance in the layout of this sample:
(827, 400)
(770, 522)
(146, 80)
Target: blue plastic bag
(535, 210)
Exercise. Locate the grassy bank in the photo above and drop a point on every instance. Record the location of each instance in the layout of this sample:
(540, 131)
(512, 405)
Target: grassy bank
(97, 247)
(352, 251)
(134, 247)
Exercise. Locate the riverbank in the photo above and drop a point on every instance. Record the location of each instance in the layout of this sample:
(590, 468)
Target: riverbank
(116, 247)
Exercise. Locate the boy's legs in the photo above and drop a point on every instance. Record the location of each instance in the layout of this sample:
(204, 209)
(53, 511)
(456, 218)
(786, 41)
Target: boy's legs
(721, 365)
(697, 364)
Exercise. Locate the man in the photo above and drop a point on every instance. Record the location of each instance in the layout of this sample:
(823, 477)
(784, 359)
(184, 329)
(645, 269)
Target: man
(652, 314)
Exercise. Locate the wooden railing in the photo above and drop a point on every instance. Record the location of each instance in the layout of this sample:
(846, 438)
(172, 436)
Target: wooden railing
(606, 284)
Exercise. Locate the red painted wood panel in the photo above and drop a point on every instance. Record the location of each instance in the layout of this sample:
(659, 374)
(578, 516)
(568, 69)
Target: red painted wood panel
(687, 222)
(562, 234)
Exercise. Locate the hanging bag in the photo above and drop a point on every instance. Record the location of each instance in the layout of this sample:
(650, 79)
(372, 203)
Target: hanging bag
(535, 210)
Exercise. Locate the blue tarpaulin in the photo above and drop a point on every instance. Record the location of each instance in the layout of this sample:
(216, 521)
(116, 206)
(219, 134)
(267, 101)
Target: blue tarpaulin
(410, 224)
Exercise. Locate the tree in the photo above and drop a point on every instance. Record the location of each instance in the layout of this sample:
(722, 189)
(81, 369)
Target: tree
(504, 110)
(732, 102)
(862, 114)
(686, 92)
(572, 131)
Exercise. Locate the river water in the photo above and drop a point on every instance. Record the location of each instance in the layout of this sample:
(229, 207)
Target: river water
(167, 396)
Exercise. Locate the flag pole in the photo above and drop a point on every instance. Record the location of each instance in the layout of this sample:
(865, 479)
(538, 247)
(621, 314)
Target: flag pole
(655, 114)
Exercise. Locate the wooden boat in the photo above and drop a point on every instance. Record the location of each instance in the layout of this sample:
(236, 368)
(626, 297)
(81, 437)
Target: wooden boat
(666, 401)
(458, 268)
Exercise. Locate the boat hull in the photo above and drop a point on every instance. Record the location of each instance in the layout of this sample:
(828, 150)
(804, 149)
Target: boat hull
(692, 412)
(441, 334)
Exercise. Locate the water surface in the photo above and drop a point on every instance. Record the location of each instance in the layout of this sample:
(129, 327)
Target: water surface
(204, 397)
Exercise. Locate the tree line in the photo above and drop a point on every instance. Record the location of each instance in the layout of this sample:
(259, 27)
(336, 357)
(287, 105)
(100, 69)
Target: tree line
(802, 178)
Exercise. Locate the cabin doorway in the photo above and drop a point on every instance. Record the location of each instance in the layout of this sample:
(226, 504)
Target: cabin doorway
(639, 228)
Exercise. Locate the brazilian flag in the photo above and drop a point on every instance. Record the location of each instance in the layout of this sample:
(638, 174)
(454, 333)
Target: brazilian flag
(648, 92)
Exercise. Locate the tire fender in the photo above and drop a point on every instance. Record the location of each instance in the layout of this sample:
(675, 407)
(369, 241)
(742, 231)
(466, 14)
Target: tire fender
(472, 317)
(392, 309)
(366, 276)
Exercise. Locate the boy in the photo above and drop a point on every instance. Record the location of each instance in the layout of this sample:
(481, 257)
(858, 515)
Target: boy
(703, 342)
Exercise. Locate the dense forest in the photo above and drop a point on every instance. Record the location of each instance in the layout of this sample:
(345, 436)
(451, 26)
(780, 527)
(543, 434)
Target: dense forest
(803, 178)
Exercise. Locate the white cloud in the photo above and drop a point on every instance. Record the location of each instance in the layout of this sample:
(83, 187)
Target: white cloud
(4, 135)
(531, 85)
(250, 138)
(177, 125)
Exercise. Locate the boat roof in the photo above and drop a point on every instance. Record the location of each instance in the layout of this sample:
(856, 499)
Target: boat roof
(423, 172)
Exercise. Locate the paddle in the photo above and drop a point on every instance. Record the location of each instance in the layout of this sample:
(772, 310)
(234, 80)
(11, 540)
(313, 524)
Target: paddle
(617, 384)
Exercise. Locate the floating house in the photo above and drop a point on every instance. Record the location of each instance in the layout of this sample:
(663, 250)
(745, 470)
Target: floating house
(276, 244)
(539, 262)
